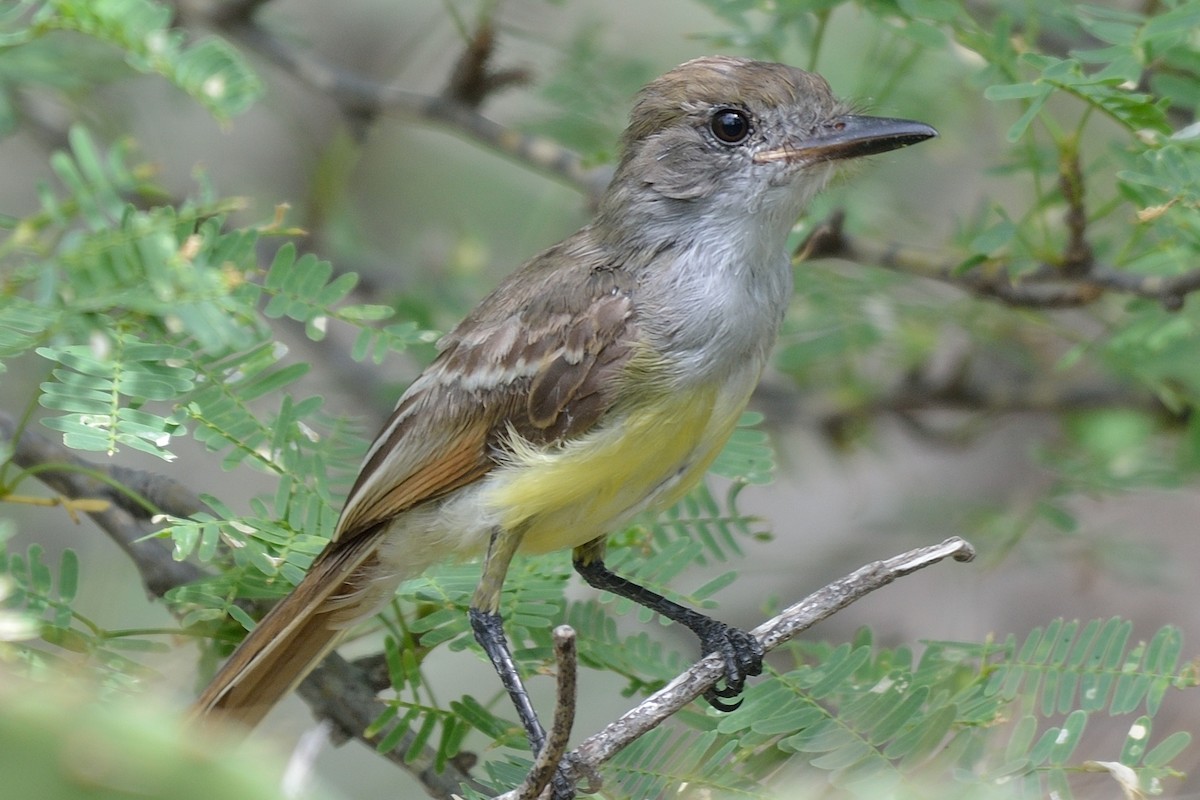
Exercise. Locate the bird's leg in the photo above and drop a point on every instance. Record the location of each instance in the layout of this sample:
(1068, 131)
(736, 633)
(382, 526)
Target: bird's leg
(489, 630)
(488, 627)
(740, 650)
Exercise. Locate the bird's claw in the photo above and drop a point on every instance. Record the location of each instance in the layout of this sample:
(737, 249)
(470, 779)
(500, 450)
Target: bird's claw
(743, 656)
(563, 789)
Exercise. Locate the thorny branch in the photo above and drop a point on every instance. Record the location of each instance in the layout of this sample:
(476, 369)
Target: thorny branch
(1077, 256)
(473, 79)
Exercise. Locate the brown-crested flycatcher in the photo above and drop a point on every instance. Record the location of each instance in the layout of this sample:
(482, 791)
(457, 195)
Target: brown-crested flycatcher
(597, 382)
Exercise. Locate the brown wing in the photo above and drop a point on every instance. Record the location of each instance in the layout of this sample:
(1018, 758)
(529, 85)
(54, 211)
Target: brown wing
(540, 356)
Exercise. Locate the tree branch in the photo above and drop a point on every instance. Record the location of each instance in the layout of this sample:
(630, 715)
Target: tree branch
(336, 691)
(555, 748)
(654, 710)
(1077, 255)
(339, 692)
(125, 518)
(1048, 286)
(975, 391)
(342, 693)
(473, 79)
(363, 98)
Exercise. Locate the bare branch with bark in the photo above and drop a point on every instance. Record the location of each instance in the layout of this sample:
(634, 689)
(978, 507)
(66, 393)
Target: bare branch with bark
(599, 748)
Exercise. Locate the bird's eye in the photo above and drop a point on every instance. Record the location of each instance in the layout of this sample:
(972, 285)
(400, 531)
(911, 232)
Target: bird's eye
(730, 125)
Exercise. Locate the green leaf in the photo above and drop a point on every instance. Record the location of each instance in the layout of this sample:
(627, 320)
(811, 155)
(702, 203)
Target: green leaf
(748, 455)
(1014, 91)
(1167, 749)
(210, 70)
(1136, 741)
(68, 576)
(1021, 126)
(994, 238)
(1067, 737)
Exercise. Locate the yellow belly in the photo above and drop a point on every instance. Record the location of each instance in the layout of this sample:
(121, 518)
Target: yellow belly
(568, 495)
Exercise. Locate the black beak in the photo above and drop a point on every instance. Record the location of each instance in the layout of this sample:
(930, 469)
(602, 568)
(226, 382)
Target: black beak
(850, 136)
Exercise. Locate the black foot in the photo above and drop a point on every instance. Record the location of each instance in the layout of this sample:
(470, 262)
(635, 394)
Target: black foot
(741, 652)
(563, 790)
(743, 656)
(489, 632)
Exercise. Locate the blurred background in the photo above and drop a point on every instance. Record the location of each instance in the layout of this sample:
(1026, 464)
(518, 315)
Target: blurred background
(868, 465)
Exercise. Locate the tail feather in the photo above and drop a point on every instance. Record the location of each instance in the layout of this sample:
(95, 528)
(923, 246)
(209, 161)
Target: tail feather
(245, 691)
(292, 638)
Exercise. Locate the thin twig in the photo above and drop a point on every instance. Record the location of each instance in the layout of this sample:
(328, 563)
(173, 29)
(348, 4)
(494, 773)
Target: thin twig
(601, 747)
(364, 98)
(1077, 255)
(559, 735)
(473, 79)
(980, 393)
(297, 777)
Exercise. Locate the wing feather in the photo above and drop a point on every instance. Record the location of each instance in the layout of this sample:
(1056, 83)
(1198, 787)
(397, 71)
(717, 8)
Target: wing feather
(542, 356)
(460, 460)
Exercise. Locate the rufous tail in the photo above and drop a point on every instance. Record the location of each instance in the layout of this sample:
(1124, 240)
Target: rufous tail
(287, 643)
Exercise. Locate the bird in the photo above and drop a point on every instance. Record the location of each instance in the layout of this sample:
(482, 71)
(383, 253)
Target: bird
(597, 382)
